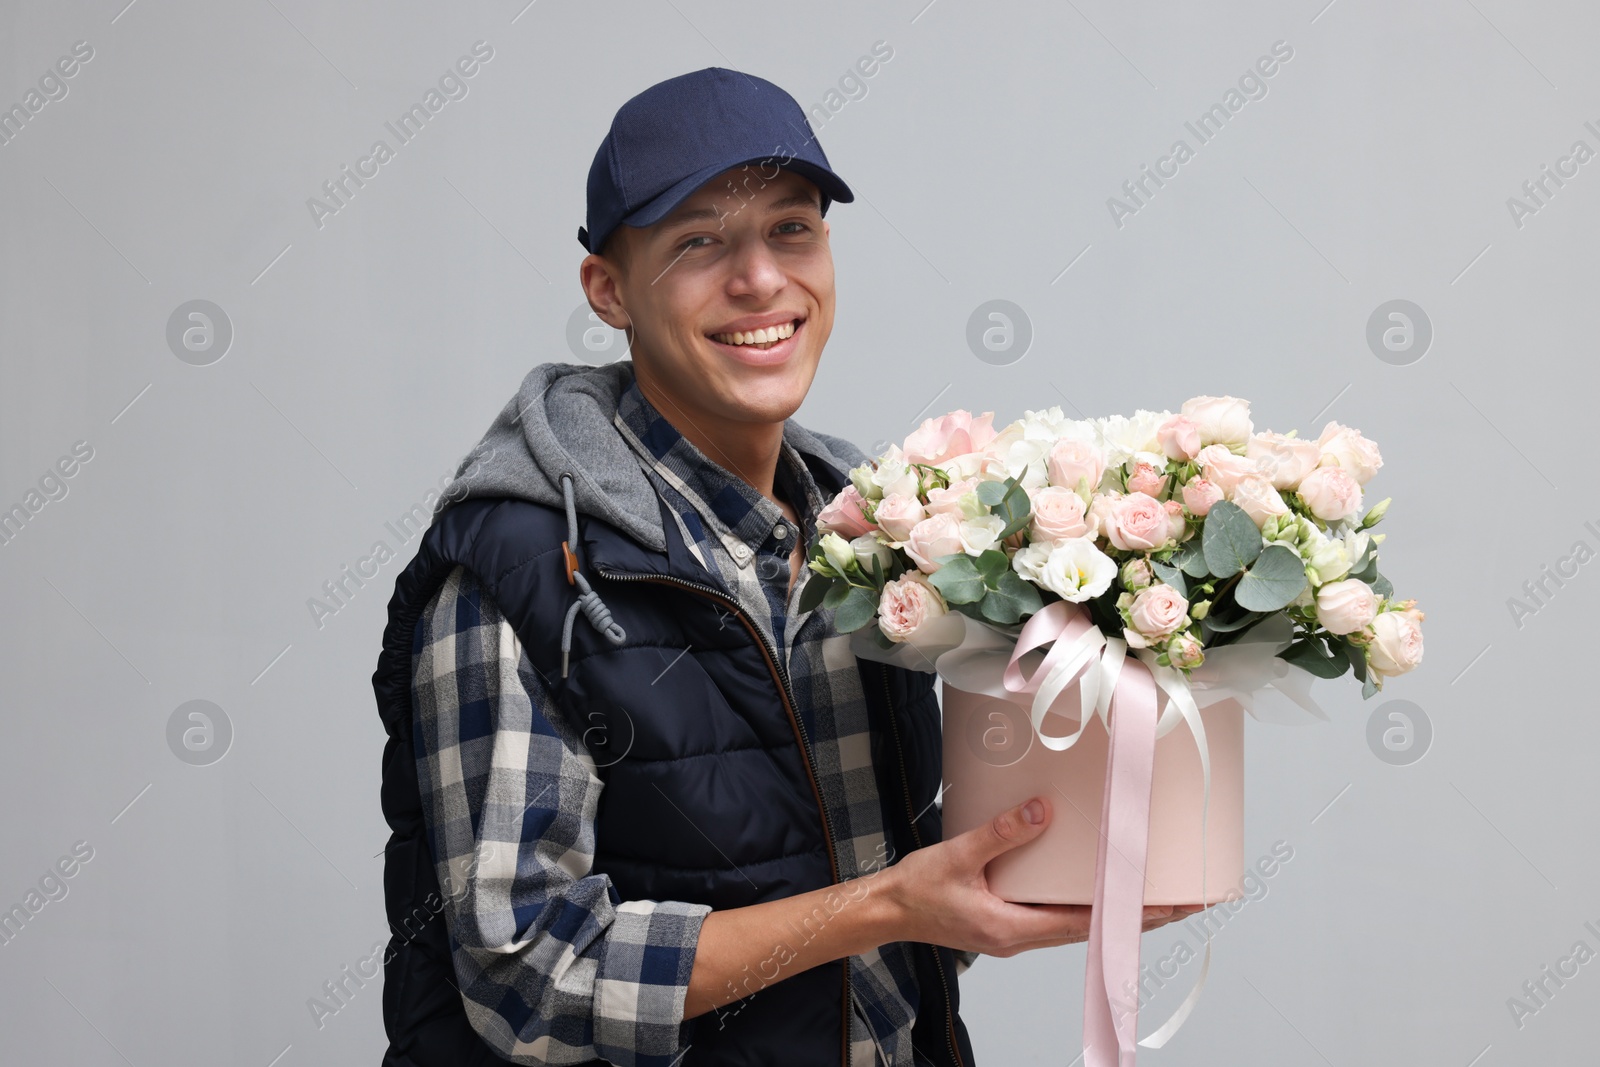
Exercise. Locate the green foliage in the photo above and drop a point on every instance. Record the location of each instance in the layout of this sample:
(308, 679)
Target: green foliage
(1230, 539)
(1275, 578)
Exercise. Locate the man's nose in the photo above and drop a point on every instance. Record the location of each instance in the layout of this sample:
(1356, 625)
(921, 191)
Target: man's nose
(755, 271)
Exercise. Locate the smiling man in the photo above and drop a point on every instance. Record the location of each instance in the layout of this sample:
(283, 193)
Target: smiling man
(690, 827)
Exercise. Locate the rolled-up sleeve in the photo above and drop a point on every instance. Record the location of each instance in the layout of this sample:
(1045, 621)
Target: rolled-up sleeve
(553, 966)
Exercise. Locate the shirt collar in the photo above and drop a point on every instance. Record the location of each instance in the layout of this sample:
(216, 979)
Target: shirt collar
(744, 520)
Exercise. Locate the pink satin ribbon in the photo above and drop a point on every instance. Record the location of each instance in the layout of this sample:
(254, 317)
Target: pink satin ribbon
(1110, 995)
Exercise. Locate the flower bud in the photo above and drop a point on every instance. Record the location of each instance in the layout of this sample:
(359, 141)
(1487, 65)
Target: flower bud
(1185, 651)
(1136, 573)
(1373, 517)
(838, 552)
(867, 547)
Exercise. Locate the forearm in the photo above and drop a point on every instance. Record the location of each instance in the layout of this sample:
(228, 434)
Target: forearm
(742, 950)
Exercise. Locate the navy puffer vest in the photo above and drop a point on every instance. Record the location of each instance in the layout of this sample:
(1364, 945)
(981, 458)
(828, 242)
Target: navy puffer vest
(717, 734)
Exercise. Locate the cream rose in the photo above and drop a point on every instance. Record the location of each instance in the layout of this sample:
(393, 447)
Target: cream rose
(954, 434)
(959, 498)
(1345, 447)
(1346, 606)
(1254, 494)
(1137, 522)
(1331, 493)
(1058, 513)
(1397, 642)
(906, 603)
(897, 514)
(1221, 420)
(1285, 460)
(1223, 468)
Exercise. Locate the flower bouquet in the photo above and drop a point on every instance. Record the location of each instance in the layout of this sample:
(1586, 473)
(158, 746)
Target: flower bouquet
(1133, 574)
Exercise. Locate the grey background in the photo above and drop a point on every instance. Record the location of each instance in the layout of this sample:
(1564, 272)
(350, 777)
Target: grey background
(369, 354)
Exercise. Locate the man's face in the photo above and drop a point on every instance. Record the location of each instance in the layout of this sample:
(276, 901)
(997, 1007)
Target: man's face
(747, 252)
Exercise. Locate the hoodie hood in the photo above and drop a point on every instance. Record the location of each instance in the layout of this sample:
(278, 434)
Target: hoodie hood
(560, 422)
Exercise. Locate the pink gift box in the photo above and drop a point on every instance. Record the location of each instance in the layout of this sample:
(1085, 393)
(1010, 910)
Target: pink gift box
(993, 761)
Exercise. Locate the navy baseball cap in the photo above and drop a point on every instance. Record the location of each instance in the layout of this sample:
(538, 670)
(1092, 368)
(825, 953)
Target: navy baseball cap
(679, 134)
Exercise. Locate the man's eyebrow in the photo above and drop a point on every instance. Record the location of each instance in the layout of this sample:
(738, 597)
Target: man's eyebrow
(693, 215)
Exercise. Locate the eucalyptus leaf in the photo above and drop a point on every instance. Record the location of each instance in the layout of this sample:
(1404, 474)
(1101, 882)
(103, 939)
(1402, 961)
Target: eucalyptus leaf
(836, 594)
(1310, 655)
(1011, 599)
(816, 588)
(1214, 624)
(1381, 585)
(1275, 578)
(1230, 539)
(1190, 559)
(1368, 688)
(859, 606)
(1358, 658)
(1171, 576)
(957, 579)
(1016, 508)
(992, 563)
(991, 493)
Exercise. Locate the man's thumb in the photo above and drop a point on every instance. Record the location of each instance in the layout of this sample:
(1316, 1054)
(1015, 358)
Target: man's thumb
(1014, 826)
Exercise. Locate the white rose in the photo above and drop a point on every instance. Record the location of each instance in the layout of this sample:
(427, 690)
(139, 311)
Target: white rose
(1221, 420)
(1347, 606)
(868, 547)
(894, 475)
(981, 534)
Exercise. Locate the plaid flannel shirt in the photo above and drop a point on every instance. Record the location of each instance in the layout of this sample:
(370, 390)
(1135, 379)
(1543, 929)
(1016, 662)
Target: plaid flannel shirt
(554, 968)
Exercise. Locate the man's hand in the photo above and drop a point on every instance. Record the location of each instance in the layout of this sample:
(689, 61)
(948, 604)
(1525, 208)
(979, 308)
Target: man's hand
(943, 896)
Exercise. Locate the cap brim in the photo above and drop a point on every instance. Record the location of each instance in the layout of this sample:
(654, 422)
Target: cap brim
(830, 184)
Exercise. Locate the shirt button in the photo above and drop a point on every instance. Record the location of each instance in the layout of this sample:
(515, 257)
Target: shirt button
(741, 551)
(780, 531)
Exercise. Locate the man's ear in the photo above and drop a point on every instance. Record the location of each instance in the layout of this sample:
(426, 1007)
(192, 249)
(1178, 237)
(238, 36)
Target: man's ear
(600, 278)
(827, 230)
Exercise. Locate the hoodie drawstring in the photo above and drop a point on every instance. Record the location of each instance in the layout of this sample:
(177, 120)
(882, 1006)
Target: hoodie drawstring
(594, 609)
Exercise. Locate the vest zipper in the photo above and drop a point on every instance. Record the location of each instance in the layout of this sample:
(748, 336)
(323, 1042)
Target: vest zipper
(911, 821)
(782, 677)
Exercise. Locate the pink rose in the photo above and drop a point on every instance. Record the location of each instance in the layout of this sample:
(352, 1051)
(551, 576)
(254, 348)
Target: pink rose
(1255, 494)
(1179, 437)
(1147, 479)
(1199, 494)
(1185, 651)
(1397, 642)
(1347, 606)
(1071, 459)
(1177, 524)
(1345, 447)
(955, 434)
(947, 501)
(1285, 460)
(1157, 610)
(1058, 513)
(906, 603)
(1137, 522)
(897, 514)
(844, 516)
(1222, 468)
(1331, 493)
(1100, 506)
(934, 536)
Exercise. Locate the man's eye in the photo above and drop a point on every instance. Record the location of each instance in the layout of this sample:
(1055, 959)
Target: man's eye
(690, 243)
(799, 227)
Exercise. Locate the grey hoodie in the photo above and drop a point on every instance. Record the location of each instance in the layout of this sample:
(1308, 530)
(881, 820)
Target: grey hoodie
(559, 422)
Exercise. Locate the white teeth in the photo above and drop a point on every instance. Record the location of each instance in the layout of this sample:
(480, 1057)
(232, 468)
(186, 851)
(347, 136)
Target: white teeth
(764, 336)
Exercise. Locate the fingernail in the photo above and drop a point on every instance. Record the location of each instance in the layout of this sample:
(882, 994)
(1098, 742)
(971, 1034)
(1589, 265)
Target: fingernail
(1033, 811)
